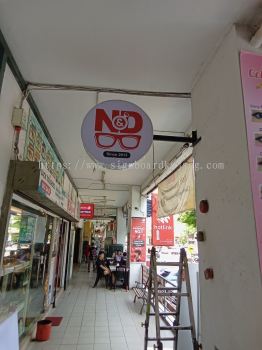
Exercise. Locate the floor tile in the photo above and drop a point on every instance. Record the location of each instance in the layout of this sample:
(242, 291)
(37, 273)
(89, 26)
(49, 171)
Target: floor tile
(102, 347)
(86, 347)
(50, 347)
(67, 347)
(118, 340)
(95, 319)
(69, 340)
(85, 340)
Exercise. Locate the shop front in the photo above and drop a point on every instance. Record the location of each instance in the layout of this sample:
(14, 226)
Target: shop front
(25, 264)
(36, 262)
(37, 228)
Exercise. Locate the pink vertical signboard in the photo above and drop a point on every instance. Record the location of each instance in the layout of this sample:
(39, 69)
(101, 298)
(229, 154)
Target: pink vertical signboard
(251, 73)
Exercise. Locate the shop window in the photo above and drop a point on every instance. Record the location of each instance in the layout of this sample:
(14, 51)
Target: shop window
(17, 262)
(25, 265)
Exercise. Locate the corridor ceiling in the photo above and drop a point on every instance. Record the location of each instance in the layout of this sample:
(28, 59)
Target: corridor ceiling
(138, 44)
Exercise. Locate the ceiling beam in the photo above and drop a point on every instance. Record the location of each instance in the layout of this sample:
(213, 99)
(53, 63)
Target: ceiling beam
(35, 86)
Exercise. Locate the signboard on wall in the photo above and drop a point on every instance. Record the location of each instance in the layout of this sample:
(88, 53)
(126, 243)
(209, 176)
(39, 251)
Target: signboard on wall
(37, 148)
(176, 194)
(162, 228)
(117, 133)
(87, 210)
(54, 183)
(251, 73)
(138, 240)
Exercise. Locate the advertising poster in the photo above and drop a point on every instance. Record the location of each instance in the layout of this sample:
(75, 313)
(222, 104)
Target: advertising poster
(162, 228)
(87, 210)
(27, 229)
(251, 73)
(138, 240)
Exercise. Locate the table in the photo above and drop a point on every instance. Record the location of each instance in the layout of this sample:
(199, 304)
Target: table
(119, 270)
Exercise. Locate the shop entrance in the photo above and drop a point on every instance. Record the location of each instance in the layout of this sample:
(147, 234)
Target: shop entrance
(25, 265)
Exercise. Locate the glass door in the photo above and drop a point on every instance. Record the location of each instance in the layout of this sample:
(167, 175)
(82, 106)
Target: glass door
(24, 280)
(37, 291)
(17, 264)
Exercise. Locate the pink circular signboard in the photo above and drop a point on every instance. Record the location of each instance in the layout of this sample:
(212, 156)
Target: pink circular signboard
(117, 133)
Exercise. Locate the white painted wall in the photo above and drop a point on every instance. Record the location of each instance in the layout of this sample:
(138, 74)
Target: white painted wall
(121, 227)
(138, 203)
(231, 304)
(10, 97)
(135, 274)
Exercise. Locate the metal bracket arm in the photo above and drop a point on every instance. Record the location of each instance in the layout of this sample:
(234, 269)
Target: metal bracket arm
(193, 139)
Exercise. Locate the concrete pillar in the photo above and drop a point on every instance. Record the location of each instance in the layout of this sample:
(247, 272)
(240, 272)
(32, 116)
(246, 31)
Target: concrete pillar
(137, 208)
(121, 227)
(231, 303)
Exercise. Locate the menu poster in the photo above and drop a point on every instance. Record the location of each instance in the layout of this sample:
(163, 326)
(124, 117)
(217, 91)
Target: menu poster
(138, 240)
(251, 74)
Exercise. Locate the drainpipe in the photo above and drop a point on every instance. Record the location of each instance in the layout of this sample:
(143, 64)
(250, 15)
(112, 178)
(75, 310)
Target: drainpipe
(16, 141)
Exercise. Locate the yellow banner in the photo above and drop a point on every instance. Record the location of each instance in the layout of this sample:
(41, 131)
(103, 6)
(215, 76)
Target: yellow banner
(176, 194)
(88, 230)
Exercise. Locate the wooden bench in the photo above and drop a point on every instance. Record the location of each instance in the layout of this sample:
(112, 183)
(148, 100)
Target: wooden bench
(167, 304)
(140, 289)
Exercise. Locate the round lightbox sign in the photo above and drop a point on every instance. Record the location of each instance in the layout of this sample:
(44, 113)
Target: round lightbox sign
(117, 133)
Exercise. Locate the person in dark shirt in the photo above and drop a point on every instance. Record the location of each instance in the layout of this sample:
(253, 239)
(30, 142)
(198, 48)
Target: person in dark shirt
(87, 255)
(124, 259)
(101, 269)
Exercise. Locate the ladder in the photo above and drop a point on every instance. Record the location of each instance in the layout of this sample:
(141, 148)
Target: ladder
(152, 307)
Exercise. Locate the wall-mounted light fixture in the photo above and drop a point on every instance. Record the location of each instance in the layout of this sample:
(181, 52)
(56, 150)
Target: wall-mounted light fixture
(200, 237)
(209, 273)
(203, 206)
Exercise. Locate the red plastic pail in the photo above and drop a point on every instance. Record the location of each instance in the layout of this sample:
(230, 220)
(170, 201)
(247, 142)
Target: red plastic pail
(43, 330)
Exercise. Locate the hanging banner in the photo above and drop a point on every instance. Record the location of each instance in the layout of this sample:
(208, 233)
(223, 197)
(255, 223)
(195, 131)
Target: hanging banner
(176, 194)
(88, 230)
(148, 208)
(162, 228)
(87, 210)
(251, 73)
(116, 133)
(138, 240)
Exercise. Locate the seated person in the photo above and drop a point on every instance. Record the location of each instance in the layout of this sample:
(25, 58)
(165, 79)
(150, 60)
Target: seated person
(124, 259)
(107, 263)
(118, 256)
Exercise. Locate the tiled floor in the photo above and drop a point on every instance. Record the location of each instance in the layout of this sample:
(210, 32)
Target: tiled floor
(95, 319)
